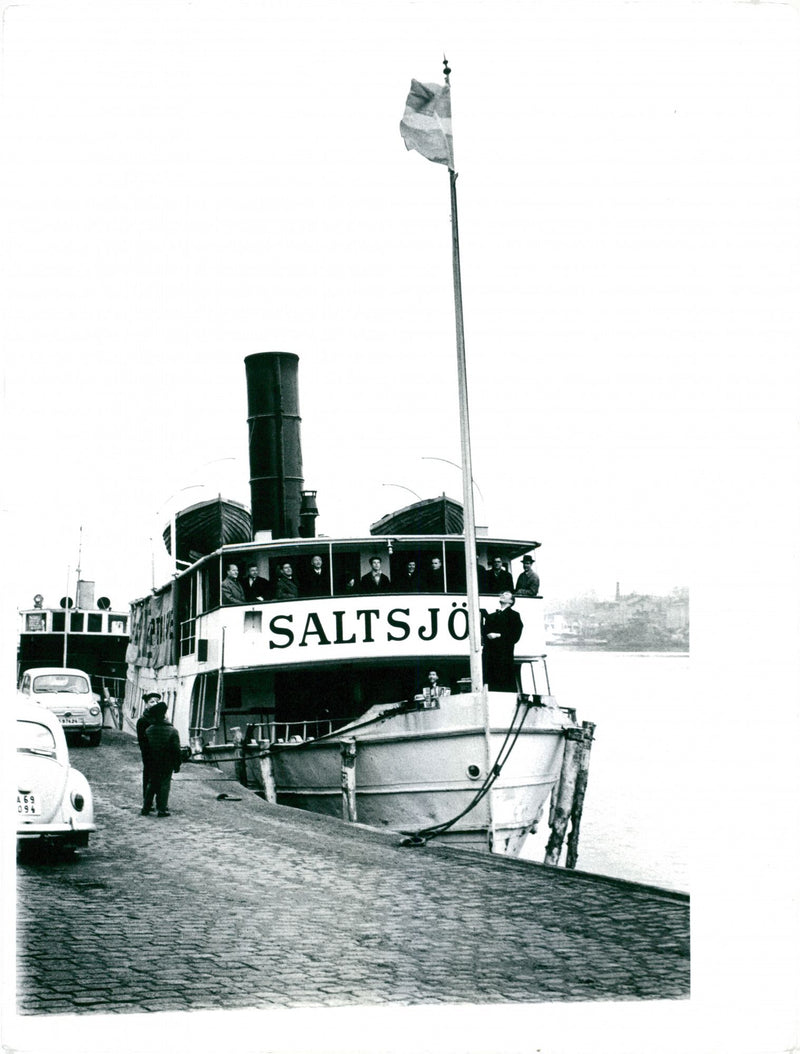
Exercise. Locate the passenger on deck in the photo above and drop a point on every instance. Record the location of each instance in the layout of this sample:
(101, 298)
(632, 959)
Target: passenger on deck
(409, 581)
(316, 582)
(528, 582)
(434, 579)
(433, 690)
(232, 592)
(497, 579)
(374, 581)
(254, 587)
(500, 631)
(285, 586)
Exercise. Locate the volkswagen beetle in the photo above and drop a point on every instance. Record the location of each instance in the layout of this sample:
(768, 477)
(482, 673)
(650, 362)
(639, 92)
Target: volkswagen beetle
(54, 800)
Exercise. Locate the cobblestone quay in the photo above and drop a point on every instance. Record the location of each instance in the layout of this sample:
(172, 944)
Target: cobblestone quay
(231, 902)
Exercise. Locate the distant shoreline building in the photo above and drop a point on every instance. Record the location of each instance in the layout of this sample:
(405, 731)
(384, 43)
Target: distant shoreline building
(630, 621)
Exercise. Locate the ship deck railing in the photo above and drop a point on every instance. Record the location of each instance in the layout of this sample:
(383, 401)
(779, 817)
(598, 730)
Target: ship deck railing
(298, 731)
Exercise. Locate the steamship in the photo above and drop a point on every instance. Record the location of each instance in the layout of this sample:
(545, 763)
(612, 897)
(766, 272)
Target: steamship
(317, 694)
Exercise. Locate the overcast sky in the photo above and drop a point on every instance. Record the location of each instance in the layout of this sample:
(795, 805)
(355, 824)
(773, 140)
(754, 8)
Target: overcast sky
(189, 183)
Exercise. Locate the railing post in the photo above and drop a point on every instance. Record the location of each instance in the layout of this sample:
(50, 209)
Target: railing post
(348, 750)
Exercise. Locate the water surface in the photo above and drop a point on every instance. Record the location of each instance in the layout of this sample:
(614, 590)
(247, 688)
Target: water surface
(636, 819)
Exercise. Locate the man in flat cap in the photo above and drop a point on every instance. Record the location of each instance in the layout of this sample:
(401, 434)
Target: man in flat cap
(144, 722)
(163, 758)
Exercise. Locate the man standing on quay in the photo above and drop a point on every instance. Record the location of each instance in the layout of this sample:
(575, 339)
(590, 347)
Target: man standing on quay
(163, 758)
(144, 722)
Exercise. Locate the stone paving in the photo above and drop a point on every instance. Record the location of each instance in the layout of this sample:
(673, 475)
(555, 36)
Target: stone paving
(231, 902)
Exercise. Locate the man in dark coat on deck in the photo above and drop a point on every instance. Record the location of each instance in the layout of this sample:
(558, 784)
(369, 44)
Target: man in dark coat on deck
(500, 631)
(316, 581)
(254, 587)
(434, 576)
(163, 758)
(374, 581)
(496, 579)
(409, 580)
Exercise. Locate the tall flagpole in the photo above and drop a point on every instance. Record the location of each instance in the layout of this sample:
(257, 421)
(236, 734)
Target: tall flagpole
(470, 547)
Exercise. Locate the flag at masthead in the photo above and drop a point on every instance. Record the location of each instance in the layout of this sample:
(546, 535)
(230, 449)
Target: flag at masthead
(426, 128)
(426, 125)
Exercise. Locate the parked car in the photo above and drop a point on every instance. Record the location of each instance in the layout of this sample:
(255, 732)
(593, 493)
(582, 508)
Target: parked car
(68, 693)
(54, 800)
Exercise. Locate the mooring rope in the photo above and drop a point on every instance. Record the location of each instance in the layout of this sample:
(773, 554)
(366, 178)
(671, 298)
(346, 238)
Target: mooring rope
(420, 837)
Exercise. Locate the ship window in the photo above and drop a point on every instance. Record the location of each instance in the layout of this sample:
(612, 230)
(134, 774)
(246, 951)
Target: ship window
(58, 622)
(204, 701)
(252, 621)
(95, 624)
(76, 622)
(456, 570)
(204, 601)
(35, 623)
(118, 624)
(188, 636)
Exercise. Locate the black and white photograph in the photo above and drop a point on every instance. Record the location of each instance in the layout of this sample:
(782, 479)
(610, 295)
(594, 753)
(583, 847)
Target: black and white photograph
(400, 409)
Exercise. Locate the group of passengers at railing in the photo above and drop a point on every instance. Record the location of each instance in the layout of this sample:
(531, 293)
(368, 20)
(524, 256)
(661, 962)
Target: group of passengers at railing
(314, 580)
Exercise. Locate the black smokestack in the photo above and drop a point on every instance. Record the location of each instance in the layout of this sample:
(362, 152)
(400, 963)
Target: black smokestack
(276, 461)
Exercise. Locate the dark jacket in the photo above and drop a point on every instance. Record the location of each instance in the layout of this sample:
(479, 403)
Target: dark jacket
(434, 580)
(527, 584)
(258, 590)
(501, 582)
(406, 583)
(232, 592)
(142, 725)
(163, 747)
(369, 585)
(286, 588)
(316, 585)
(498, 653)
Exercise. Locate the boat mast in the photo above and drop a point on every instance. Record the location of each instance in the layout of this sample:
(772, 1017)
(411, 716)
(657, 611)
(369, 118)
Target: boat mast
(470, 547)
(78, 579)
(67, 603)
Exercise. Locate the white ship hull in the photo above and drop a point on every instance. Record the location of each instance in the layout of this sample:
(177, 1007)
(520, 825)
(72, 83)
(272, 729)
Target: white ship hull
(419, 769)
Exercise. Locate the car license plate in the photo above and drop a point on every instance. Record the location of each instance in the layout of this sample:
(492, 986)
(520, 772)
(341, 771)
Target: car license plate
(70, 720)
(28, 805)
